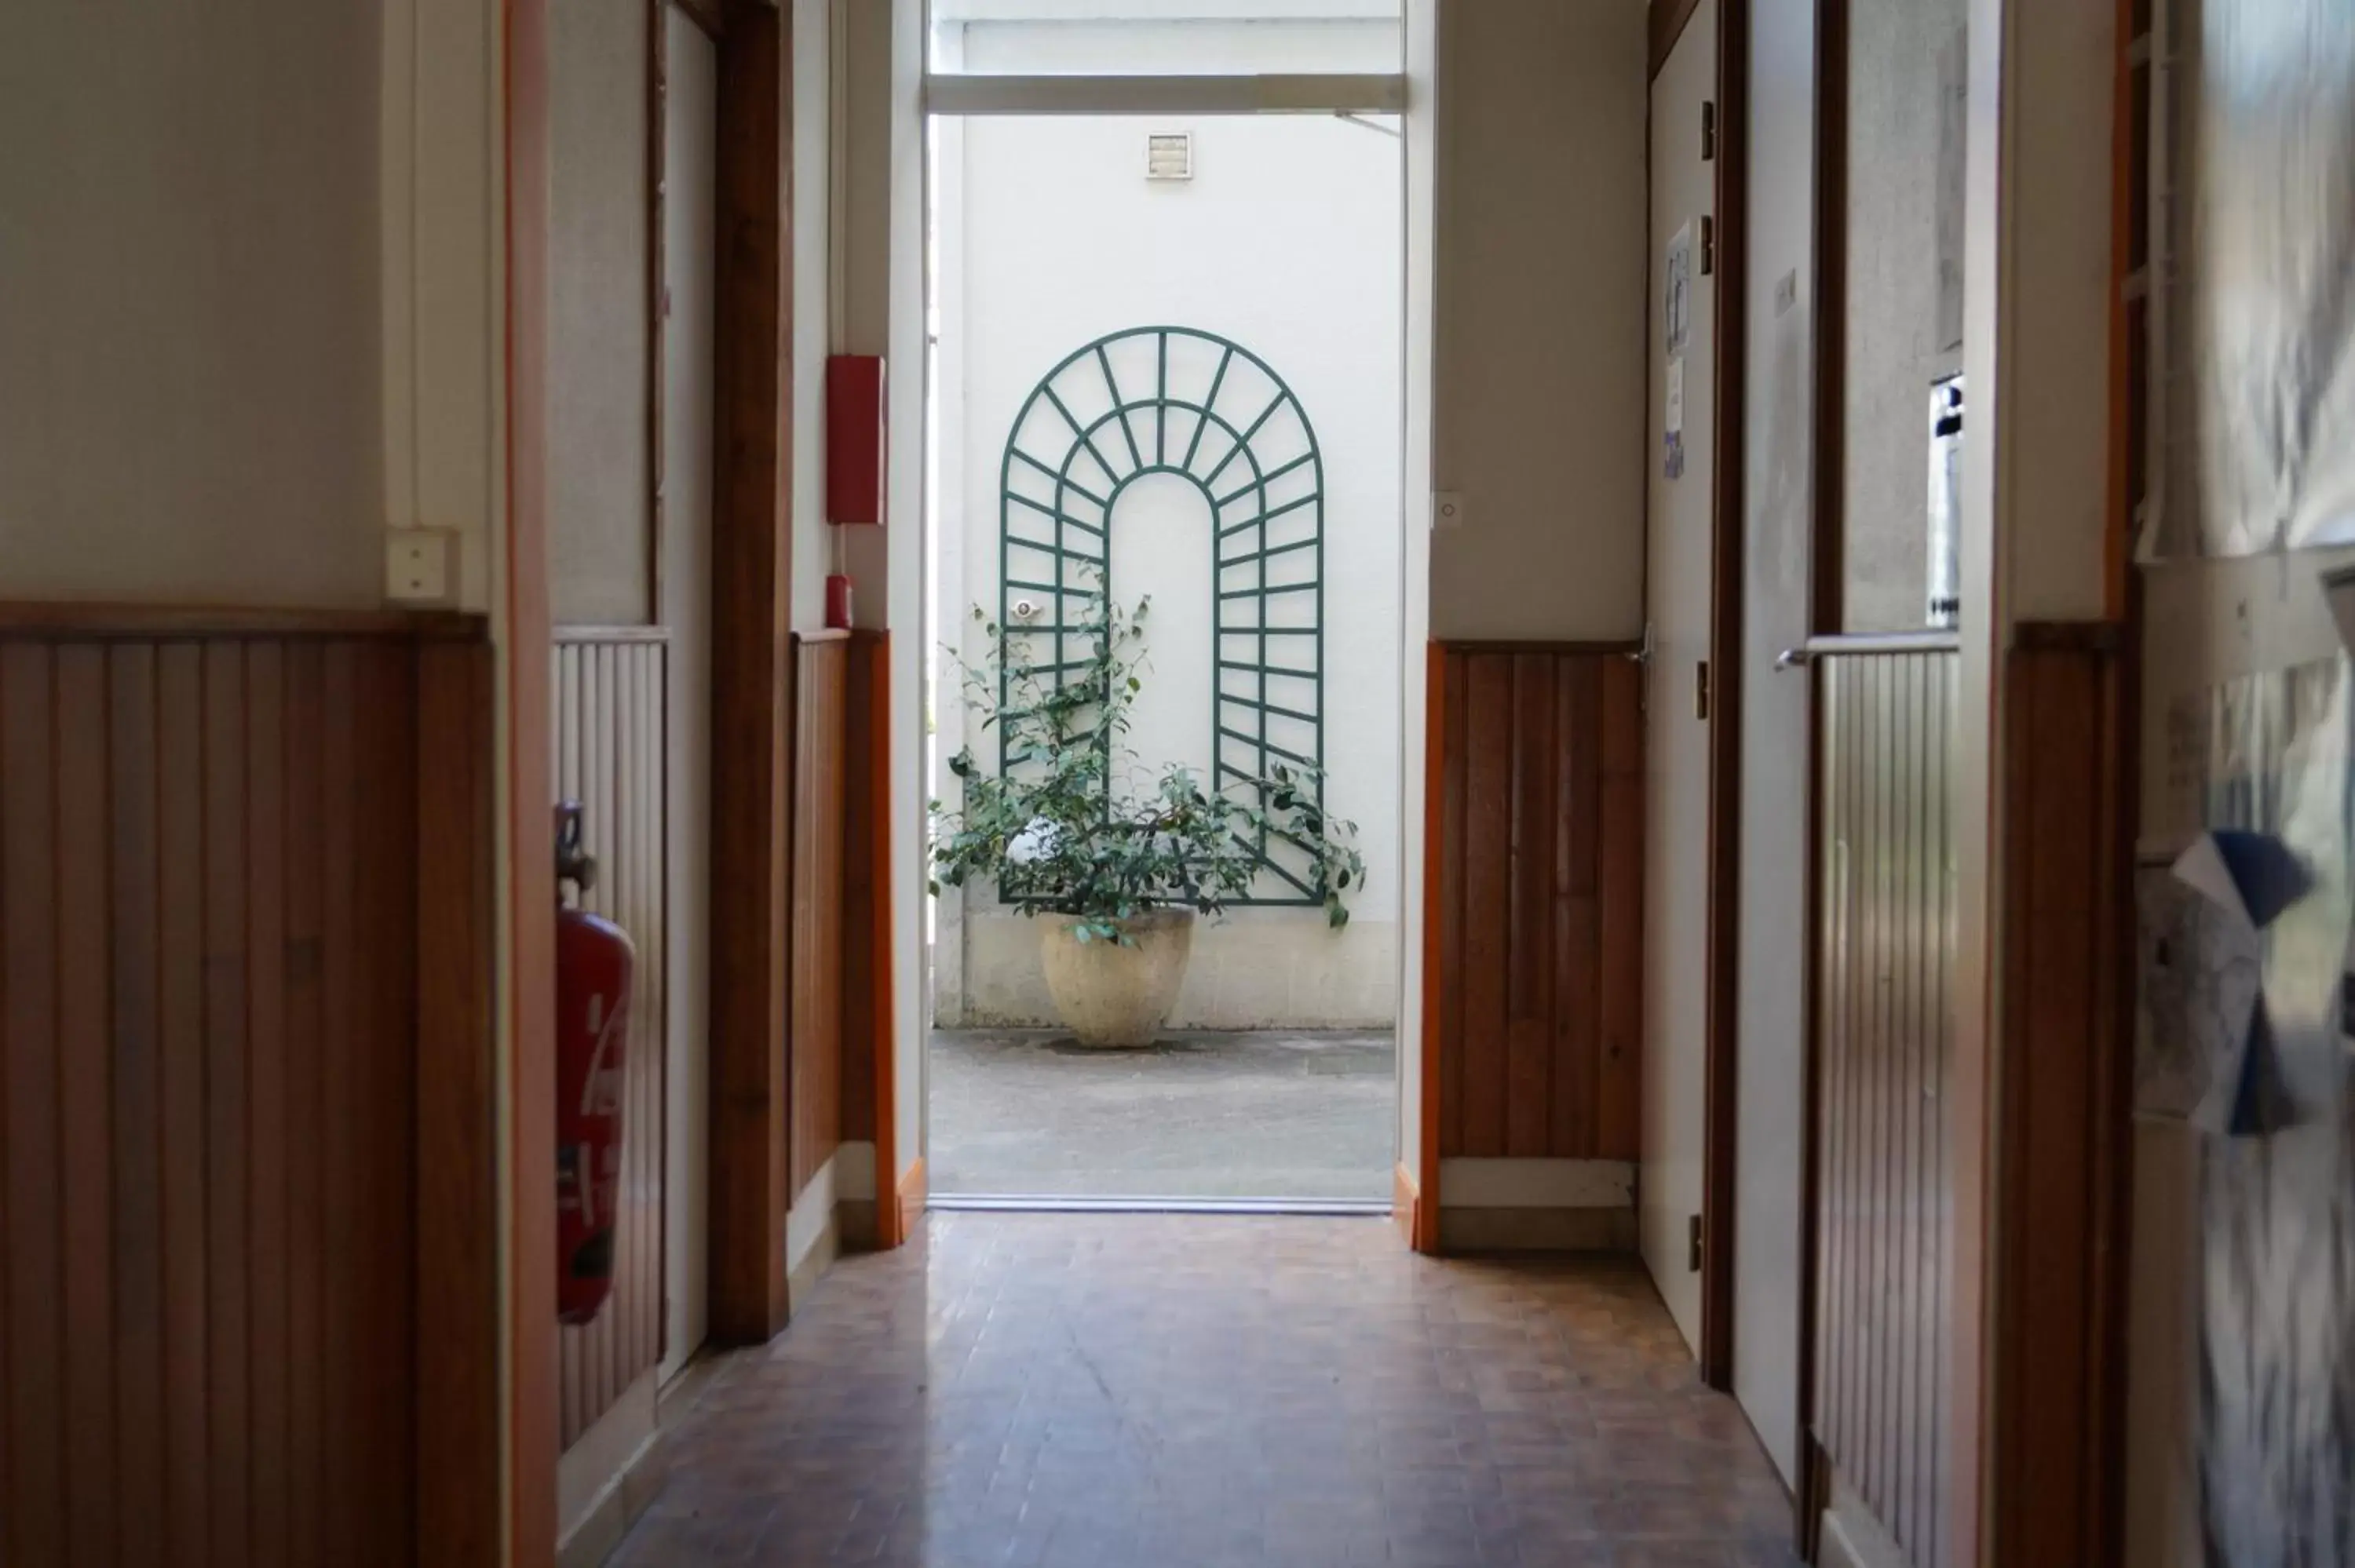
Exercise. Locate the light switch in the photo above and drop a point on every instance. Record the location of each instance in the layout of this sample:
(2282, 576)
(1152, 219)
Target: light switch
(417, 565)
(1447, 509)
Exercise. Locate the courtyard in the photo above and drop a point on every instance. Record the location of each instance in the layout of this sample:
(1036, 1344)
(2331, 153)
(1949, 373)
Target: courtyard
(1303, 1115)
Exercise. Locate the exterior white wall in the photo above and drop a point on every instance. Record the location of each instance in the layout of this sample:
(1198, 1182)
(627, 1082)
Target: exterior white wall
(1287, 240)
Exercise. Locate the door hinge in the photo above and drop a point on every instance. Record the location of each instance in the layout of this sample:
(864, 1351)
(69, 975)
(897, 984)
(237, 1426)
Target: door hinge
(1692, 1244)
(1708, 133)
(1700, 690)
(1708, 246)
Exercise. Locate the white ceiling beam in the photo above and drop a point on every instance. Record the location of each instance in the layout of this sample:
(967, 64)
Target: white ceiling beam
(1164, 95)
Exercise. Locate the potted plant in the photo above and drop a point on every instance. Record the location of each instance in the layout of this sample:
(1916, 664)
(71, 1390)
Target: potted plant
(1116, 865)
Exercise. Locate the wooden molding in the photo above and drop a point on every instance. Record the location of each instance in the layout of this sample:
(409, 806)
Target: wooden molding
(528, 1463)
(143, 622)
(1423, 1232)
(1624, 646)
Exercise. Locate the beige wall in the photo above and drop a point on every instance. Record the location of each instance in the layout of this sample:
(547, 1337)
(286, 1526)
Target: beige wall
(812, 199)
(189, 407)
(1541, 319)
(601, 510)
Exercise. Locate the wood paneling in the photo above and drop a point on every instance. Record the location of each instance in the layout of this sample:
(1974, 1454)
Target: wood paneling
(751, 700)
(1534, 1001)
(453, 1093)
(866, 998)
(1883, 1061)
(2063, 1145)
(609, 755)
(821, 736)
(222, 967)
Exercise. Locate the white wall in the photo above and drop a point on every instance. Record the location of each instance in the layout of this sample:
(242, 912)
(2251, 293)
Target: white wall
(1541, 319)
(189, 370)
(1287, 240)
(600, 501)
(813, 238)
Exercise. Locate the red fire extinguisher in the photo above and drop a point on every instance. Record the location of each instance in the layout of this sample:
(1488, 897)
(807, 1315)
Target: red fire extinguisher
(593, 963)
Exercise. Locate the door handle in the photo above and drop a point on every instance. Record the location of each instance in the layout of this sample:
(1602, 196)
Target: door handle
(1797, 658)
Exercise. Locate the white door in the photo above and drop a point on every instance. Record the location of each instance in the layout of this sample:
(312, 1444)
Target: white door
(1676, 593)
(1775, 948)
(690, 167)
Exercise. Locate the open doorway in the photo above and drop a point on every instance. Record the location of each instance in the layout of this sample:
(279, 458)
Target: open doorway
(1165, 394)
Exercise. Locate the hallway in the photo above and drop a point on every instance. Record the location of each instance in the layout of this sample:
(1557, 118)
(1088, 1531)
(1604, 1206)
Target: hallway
(1127, 1391)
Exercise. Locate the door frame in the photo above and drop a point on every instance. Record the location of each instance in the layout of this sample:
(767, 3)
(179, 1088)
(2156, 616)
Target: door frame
(1825, 577)
(1728, 521)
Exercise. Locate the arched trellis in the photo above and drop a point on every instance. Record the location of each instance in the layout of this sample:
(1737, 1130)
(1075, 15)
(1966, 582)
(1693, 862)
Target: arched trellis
(1178, 400)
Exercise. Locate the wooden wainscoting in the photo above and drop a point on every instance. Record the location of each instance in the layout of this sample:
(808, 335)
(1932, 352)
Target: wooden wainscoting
(2066, 1074)
(821, 735)
(248, 1288)
(1883, 1045)
(1539, 903)
(868, 1006)
(608, 731)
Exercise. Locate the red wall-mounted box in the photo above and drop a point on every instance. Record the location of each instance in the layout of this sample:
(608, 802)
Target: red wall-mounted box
(854, 438)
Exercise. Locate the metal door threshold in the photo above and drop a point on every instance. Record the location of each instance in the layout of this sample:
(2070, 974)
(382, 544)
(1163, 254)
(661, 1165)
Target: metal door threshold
(996, 1203)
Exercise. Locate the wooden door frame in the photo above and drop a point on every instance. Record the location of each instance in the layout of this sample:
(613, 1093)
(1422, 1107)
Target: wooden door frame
(1826, 569)
(1721, 964)
(751, 691)
(531, 1000)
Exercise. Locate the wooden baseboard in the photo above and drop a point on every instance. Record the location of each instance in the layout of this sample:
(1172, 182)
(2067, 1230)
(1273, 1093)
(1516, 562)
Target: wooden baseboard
(1405, 1199)
(1537, 1229)
(911, 1199)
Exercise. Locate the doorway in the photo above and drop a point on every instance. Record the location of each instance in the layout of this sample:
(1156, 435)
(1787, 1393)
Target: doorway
(1165, 392)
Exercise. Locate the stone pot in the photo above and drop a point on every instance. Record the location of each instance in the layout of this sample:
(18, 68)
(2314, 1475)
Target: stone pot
(1111, 993)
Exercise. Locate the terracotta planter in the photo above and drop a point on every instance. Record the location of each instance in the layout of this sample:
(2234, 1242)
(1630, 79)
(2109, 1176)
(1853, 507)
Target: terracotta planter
(1111, 993)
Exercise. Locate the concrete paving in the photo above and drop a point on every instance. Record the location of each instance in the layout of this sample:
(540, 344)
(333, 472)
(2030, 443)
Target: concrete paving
(1266, 1114)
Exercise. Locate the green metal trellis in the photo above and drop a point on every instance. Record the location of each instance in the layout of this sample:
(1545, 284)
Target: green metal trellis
(1216, 413)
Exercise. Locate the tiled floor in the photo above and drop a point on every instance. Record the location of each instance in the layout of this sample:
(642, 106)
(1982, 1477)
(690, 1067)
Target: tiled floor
(1182, 1391)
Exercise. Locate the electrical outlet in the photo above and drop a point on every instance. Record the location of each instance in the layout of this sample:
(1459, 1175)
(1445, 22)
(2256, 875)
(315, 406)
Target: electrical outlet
(418, 566)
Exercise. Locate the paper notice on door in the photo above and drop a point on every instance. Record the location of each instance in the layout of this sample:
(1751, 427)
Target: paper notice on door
(1672, 463)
